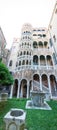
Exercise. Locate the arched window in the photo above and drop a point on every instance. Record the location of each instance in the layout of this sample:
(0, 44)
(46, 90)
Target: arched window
(45, 43)
(42, 60)
(49, 60)
(23, 62)
(35, 44)
(27, 62)
(24, 53)
(25, 43)
(35, 60)
(44, 35)
(40, 43)
(10, 63)
(20, 53)
(45, 80)
(19, 62)
(53, 84)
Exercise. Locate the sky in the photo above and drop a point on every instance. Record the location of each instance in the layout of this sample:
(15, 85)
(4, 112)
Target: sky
(14, 13)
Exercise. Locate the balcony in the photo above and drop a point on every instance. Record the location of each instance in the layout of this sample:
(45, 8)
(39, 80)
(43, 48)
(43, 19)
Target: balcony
(43, 49)
(34, 67)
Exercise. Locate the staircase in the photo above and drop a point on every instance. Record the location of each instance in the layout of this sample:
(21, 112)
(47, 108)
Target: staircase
(44, 88)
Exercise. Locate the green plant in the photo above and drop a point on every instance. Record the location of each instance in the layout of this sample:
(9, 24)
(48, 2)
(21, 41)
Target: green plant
(5, 76)
(35, 119)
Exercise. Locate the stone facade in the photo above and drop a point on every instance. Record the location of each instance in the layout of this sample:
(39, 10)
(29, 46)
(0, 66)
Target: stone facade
(33, 59)
(4, 53)
(32, 62)
(52, 29)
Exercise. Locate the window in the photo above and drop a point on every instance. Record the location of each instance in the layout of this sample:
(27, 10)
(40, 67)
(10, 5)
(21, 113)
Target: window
(24, 53)
(19, 62)
(34, 44)
(10, 63)
(44, 35)
(23, 62)
(20, 53)
(39, 35)
(34, 34)
(27, 53)
(27, 62)
(54, 37)
(45, 43)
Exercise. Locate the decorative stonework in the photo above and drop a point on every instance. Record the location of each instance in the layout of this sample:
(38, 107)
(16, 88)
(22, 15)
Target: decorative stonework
(15, 119)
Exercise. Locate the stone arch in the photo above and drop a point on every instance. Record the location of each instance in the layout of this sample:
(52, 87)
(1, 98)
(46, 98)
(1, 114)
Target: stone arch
(44, 80)
(42, 60)
(49, 60)
(36, 77)
(23, 88)
(12, 125)
(10, 63)
(34, 44)
(27, 62)
(15, 88)
(45, 43)
(40, 44)
(35, 60)
(19, 63)
(24, 52)
(20, 53)
(23, 62)
(53, 84)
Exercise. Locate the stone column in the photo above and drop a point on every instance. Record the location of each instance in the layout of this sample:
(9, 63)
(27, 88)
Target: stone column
(40, 83)
(22, 90)
(49, 85)
(11, 93)
(32, 84)
(39, 61)
(27, 89)
(46, 62)
(18, 89)
(53, 61)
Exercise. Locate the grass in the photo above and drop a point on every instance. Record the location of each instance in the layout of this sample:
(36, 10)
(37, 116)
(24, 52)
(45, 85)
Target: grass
(35, 119)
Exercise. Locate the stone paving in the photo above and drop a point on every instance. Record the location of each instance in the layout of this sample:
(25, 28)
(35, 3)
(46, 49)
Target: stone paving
(29, 105)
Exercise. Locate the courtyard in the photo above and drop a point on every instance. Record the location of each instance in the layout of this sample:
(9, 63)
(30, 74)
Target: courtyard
(35, 119)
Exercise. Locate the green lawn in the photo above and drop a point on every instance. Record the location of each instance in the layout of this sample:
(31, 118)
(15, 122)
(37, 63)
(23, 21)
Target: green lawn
(35, 119)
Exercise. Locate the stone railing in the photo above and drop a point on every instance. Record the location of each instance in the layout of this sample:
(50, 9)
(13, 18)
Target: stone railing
(34, 67)
(44, 88)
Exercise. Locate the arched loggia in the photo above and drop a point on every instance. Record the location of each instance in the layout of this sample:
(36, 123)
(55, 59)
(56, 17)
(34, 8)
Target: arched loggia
(35, 60)
(23, 88)
(36, 77)
(53, 85)
(45, 80)
(42, 60)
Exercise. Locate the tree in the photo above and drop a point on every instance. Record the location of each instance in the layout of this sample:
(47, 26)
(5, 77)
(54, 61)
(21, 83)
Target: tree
(5, 76)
